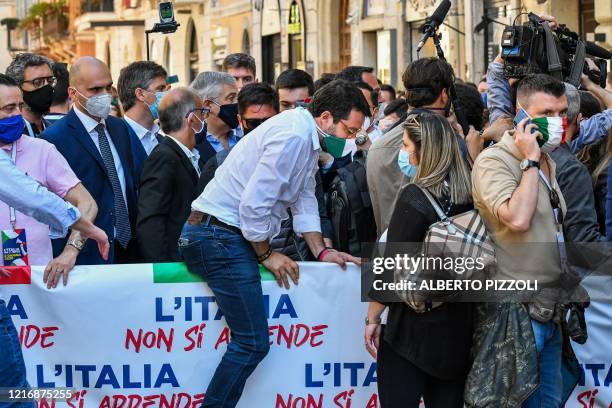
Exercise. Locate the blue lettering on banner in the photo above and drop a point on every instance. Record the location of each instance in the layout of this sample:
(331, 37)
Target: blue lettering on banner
(198, 308)
(15, 307)
(600, 374)
(336, 370)
(107, 376)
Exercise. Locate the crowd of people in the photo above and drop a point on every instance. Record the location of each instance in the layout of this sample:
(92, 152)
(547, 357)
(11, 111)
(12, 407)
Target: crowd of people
(229, 173)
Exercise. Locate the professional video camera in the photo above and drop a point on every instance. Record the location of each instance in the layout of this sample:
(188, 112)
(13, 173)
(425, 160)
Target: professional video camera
(534, 47)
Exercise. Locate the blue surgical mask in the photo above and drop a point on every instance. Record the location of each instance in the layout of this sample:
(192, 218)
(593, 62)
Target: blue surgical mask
(403, 161)
(155, 105)
(11, 128)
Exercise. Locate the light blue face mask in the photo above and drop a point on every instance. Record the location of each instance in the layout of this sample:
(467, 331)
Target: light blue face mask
(155, 105)
(403, 161)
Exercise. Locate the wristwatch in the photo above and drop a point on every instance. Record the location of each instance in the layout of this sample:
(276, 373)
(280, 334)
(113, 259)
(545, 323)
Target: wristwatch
(526, 164)
(79, 244)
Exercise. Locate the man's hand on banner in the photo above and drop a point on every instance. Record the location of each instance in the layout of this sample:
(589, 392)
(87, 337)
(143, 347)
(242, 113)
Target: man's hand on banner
(340, 258)
(4, 273)
(60, 266)
(281, 266)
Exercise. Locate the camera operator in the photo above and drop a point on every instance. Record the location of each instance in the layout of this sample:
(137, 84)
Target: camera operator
(501, 100)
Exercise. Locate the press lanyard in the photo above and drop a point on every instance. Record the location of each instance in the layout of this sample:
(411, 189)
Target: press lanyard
(13, 214)
(558, 218)
(30, 130)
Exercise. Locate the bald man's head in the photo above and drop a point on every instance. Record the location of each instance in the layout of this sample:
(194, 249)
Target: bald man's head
(89, 77)
(176, 106)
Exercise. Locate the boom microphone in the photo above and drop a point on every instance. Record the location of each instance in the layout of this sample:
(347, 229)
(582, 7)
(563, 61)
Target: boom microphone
(436, 19)
(597, 51)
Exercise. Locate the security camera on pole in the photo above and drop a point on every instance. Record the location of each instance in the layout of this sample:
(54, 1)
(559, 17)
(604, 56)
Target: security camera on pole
(167, 24)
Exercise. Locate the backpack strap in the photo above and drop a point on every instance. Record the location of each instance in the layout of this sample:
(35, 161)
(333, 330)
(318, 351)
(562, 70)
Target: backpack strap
(434, 204)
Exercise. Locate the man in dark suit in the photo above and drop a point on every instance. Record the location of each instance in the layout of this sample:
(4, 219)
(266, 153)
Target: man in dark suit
(170, 177)
(99, 151)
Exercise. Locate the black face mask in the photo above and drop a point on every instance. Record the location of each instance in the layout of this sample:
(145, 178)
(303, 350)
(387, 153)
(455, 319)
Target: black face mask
(39, 101)
(251, 124)
(229, 114)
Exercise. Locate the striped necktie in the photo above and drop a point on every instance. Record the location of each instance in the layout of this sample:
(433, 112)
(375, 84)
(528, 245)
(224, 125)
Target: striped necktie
(122, 220)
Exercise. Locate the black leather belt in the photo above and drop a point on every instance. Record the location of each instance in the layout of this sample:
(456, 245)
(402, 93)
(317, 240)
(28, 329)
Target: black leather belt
(198, 217)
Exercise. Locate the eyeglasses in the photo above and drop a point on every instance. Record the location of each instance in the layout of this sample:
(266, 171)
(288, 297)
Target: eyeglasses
(201, 110)
(42, 81)
(350, 131)
(253, 123)
(8, 109)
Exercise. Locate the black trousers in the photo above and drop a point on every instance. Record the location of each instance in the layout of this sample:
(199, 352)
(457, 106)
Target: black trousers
(401, 384)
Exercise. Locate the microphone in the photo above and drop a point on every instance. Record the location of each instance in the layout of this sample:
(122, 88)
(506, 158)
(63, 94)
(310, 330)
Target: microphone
(430, 27)
(597, 51)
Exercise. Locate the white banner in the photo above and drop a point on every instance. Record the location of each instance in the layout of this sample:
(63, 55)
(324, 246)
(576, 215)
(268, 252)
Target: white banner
(127, 336)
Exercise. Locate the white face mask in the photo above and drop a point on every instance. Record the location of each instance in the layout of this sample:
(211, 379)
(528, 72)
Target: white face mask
(98, 105)
(201, 127)
(386, 123)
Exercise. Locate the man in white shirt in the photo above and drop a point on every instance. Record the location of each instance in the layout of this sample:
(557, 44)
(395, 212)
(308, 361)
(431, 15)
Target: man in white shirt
(141, 86)
(232, 222)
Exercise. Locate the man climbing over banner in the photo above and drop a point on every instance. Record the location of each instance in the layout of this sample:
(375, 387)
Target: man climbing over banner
(272, 170)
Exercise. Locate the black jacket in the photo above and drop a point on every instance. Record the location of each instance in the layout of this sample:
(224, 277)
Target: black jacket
(167, 187)
(580, 222)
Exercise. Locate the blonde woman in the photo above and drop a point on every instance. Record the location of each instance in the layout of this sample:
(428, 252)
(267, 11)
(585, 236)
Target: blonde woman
(424, 354)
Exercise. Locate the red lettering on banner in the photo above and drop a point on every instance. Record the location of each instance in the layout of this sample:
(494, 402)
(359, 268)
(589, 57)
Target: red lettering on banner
(224, 337)
(373, 401)
(149, 339)
(197, 332)
(343, 400)
(30, 335)
(296, 335)
(299, 402)
(77, 397)
(43, 403)
(180, 400)
(587, 399)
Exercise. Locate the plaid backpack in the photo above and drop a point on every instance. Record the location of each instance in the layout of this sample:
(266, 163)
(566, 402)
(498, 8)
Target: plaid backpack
(460, 236)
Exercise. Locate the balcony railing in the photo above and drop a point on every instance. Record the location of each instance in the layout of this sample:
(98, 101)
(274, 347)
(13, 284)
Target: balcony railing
(93, 6)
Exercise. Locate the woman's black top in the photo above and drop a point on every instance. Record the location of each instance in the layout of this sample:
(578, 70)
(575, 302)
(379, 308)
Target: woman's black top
(438, 341)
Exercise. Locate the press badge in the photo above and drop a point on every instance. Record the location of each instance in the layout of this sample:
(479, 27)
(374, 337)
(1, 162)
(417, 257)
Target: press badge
(14, 247)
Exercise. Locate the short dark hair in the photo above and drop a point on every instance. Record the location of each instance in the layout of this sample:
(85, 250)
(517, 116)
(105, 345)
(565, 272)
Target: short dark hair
(6, 80)
(398, 106)
(257, 94)
(354, 73)
(373, 95)
(295, 78)
(138, 74)
(60, 93)
(424, 80)
(339, 97)
(472, 107)
(325, 79)
(535, 83)
(388, 88)
(239, 60)
(589, 104)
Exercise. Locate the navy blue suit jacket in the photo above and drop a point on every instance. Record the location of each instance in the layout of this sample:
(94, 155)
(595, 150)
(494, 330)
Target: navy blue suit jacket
(76, 145)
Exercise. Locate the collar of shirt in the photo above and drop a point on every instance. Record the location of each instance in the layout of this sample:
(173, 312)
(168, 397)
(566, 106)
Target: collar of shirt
(20, 143)
(316, 144)
(87, 121)
(192, 155)
(214, 141)
(140, 130)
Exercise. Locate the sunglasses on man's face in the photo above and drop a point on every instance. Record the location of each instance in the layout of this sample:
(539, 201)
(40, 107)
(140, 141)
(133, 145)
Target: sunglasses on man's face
(253, 123)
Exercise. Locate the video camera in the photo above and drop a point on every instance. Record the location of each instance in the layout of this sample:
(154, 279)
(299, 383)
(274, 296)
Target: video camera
(533, 48)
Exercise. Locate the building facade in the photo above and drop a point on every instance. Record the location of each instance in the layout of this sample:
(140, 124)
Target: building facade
(318, 36)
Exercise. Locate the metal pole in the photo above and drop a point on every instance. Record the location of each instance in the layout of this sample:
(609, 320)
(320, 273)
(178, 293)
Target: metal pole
(147, 36)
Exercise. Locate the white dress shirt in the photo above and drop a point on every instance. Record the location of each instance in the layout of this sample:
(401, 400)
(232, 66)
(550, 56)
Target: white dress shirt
(193, 155)
(90, 126)
(147, 137)
(271, 169)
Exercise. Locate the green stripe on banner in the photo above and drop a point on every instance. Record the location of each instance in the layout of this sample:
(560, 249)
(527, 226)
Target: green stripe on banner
(178, 273)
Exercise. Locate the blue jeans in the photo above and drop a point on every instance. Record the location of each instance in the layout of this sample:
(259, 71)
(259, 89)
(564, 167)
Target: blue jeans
(548, 345)
(229, 265)
(12, 367)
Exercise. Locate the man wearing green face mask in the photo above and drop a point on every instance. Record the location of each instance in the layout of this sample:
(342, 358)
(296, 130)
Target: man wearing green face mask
(141, 86)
